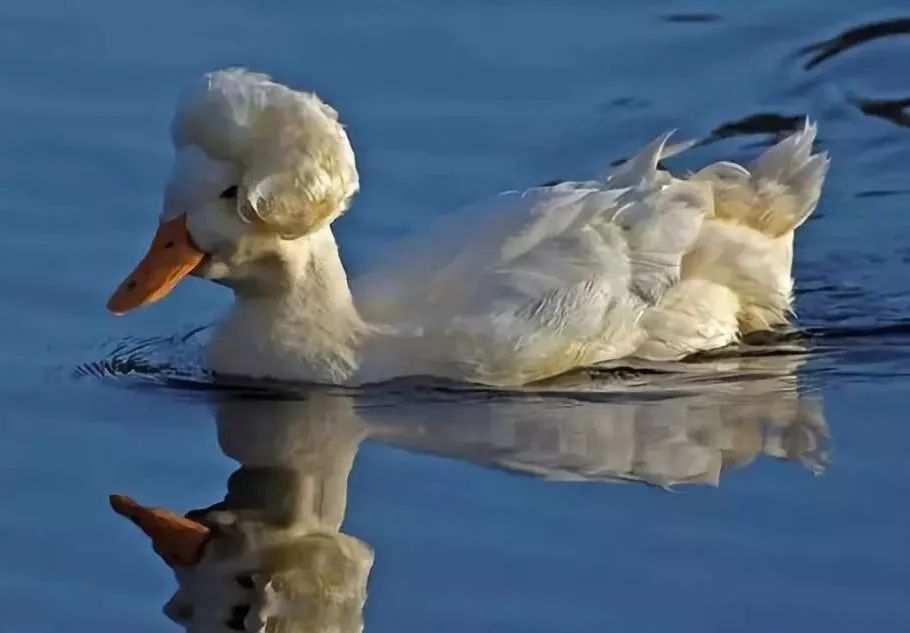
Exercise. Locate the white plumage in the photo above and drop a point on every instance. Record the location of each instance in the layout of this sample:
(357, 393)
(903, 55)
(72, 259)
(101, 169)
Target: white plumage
(519, 288)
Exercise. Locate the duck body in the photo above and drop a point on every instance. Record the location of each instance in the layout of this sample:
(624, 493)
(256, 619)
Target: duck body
(522, 287)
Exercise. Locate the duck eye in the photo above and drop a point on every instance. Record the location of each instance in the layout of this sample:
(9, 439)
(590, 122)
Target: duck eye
(230, 193)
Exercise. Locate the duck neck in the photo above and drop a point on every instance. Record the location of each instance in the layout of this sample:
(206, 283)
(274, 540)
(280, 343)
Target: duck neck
(309, 330)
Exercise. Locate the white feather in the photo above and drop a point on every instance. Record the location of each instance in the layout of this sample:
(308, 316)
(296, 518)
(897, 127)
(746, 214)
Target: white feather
(748, 245)
(543, 281)
(519, 288)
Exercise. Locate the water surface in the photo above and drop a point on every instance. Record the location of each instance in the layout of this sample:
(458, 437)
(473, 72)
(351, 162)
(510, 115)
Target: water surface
(749, 493)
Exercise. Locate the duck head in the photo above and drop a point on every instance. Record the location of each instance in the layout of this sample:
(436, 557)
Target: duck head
(258, 168)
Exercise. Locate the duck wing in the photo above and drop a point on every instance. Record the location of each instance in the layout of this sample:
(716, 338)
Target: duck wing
(531, 284)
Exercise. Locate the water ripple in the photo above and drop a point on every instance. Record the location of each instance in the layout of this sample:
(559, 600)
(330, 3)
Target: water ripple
(851, 38)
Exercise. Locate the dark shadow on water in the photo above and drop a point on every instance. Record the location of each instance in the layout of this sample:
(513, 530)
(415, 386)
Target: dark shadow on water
(885, 330)
(851, 38)
(691, 18)
(765, 123)
(893, 110)
(879, 193)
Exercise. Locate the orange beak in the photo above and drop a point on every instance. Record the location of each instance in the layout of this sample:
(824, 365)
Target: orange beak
(170, 258)
(179, 541)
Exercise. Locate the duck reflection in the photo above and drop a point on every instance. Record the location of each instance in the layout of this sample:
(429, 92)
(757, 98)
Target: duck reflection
(271, 556)
(662, 424)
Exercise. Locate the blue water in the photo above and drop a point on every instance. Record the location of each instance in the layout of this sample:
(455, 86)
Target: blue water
(536, 512)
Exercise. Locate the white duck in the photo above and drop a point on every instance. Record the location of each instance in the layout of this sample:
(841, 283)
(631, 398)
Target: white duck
(526, 286)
